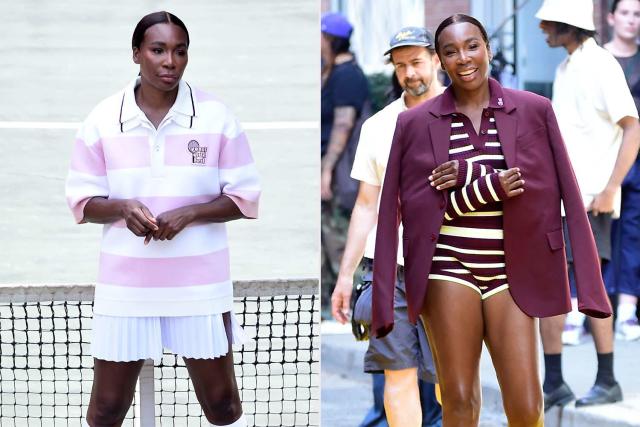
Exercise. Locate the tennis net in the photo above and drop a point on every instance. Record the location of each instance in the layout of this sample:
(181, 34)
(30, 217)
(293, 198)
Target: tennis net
(46, 368)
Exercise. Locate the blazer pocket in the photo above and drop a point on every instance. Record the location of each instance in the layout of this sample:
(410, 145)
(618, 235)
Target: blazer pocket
(531, 138)
(555, 239)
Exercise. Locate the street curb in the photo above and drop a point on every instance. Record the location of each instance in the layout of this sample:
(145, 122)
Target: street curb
(344, 356)
(344, 360)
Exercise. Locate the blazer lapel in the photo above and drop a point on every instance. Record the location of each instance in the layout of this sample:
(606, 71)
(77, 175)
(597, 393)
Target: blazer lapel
(440, 131)
(507, 126)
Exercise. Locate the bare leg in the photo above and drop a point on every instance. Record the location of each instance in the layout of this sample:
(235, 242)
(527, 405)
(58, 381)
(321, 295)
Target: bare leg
(551, 333)
(453, 319)
(602, 331)
(402, 398)
(114, 385)
(512, 341)
(215, 384)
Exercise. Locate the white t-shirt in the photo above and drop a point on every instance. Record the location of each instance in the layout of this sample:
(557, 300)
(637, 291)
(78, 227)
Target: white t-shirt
(590, 95)
(372, 155)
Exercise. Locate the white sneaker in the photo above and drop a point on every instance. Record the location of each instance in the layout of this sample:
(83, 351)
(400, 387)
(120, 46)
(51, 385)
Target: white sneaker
(629, 330)
(573, 335)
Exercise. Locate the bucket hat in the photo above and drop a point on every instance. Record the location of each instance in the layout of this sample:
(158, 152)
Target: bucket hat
(578, 13)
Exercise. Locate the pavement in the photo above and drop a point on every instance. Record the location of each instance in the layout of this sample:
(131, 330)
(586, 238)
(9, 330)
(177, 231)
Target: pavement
(346, 390)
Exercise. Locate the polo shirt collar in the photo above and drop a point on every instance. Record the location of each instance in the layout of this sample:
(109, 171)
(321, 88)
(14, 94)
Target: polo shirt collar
(182, 112)
(445, 105)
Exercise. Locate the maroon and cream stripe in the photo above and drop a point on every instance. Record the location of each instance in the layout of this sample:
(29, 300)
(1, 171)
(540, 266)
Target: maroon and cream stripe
(470, 247)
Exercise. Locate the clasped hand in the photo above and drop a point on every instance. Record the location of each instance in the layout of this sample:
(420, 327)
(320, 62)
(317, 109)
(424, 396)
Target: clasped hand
(141, 222)
(446, 176)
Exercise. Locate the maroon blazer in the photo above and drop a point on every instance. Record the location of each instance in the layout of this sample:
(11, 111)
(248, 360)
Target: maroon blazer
(533, 242)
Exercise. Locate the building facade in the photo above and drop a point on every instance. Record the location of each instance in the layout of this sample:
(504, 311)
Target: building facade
(522, 58)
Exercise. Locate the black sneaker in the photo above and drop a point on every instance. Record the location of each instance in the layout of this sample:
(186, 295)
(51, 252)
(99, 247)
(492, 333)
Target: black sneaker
(600, 394)
(560, 396)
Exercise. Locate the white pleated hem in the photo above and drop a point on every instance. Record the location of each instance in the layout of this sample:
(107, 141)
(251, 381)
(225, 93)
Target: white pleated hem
(125, 339)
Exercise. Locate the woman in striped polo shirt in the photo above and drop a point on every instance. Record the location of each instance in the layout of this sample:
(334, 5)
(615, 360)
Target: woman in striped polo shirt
(470, 249)
(477, 176)
(163, 166)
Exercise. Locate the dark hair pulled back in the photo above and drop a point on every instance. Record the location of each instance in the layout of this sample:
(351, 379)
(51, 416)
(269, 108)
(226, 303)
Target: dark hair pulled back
(454, 19)
(153, 19)
(614, 6)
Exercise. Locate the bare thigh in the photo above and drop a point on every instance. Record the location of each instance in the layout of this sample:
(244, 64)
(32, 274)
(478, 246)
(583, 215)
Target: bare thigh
(453, 319)
(215, 384)
(512, 342)
(114, 385)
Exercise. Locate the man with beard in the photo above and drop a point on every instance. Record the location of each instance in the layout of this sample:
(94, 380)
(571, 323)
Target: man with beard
(404, 353)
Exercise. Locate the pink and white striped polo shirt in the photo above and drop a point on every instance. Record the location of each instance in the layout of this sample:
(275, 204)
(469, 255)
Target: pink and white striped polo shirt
(198, 153)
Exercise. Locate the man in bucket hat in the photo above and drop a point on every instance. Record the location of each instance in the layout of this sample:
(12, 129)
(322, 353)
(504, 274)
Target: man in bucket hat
(599, 124)
(404, 354)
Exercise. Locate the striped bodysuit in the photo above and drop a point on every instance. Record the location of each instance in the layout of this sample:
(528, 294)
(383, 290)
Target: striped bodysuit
(470, 248)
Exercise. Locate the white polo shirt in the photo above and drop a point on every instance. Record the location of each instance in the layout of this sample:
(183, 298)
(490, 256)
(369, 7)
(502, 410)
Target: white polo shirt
(197, 154)
(590, 95)
(372, 155)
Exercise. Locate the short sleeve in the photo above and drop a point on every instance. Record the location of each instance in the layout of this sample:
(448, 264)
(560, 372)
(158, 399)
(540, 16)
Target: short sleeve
(236, 169)
(364, 163)
(615, 92)
(87, 175)
(349, 89)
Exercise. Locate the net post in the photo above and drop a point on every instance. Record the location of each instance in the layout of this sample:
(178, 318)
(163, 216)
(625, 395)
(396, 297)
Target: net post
(146, 395)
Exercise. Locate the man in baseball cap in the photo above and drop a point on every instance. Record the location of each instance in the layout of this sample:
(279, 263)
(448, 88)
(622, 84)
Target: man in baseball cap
(403, 355)
(599, 123)
(411, 36)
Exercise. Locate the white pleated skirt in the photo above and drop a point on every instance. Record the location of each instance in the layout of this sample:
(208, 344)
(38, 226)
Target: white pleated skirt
(125, 339)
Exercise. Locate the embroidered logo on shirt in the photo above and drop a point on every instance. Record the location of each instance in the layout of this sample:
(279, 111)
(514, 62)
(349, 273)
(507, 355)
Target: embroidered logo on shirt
(198, 154)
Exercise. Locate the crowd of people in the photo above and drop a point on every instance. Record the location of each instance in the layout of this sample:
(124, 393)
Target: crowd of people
(451, 182)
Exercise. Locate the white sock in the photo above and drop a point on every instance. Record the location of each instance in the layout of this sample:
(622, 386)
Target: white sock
(240, 422)
(626, 311)
(575, 318)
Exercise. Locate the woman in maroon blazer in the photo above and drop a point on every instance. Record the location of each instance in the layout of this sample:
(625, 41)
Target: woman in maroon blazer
(477, 176)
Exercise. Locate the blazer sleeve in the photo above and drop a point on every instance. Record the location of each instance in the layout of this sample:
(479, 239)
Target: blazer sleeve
(592, 298)
(385, 256)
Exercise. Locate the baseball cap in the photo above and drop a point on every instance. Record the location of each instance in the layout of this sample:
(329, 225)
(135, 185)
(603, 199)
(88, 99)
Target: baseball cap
(336, 25)
(578, 13)
(410, 36)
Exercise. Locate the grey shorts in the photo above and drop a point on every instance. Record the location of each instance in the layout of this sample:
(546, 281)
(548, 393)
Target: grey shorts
(406, 346)
(601, 229)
